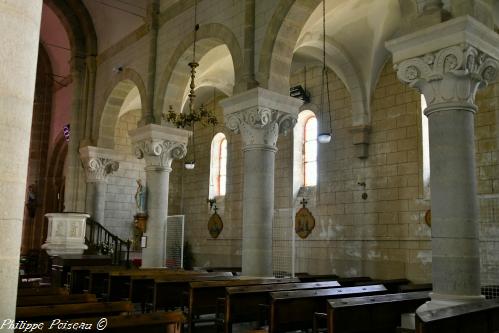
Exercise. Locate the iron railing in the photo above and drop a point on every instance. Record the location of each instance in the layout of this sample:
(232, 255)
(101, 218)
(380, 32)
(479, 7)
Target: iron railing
(100, 240)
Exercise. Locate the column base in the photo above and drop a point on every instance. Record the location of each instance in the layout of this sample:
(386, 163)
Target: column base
(439, 301)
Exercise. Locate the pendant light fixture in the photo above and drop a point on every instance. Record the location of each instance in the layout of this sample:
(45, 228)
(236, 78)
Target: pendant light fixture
(325, 134)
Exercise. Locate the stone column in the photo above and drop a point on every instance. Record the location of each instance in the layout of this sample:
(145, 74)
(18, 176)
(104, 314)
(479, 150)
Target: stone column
(20, 26)
(448, 63)
(158, 145)
(98, 163)
(74, 195)
(259, 115)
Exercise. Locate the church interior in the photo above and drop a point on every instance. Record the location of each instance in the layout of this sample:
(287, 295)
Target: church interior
(249, 165)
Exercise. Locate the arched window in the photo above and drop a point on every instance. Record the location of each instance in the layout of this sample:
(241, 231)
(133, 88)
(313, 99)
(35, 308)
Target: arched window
(310, 151)
(425, 142)
(305, 148)
(218, 165)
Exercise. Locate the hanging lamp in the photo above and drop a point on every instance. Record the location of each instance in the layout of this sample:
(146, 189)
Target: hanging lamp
(324, 135)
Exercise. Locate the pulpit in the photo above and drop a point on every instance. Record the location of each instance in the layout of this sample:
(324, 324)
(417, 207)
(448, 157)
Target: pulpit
(66, 233)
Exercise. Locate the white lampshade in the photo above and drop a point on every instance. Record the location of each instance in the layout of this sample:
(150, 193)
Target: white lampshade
(189, 165)
(324, 137)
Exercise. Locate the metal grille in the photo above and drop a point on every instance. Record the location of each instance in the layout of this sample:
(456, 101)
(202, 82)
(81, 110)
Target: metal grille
(283, 243)
(175, 241)
(489, 245)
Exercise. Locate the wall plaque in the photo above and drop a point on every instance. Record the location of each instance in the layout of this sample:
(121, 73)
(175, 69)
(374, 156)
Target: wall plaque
(304, 221)
(215, 225)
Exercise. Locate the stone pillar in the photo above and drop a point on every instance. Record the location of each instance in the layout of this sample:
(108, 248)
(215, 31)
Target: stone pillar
(20, 26)
(158, 145)
(259, 115)
(448, 63)
(98, 163)
(74, 199)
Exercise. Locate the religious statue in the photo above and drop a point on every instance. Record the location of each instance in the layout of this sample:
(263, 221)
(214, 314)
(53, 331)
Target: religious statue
(31, 203)
(140, 198)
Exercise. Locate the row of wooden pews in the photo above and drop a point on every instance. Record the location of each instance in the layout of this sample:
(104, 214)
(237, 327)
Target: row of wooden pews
(53, 309)
(318, 303)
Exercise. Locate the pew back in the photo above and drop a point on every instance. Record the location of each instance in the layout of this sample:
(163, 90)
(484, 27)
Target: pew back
(55, 299)
(292, 310)
(244, 303)
(379, 313)
(49, 312)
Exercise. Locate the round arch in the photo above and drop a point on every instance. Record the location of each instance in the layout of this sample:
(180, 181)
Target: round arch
(208, 37)
(79, 26)
(111, 104)
(283, 31)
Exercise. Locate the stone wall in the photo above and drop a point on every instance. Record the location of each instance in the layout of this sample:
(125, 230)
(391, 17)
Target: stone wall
(383, 236)
(120, 197)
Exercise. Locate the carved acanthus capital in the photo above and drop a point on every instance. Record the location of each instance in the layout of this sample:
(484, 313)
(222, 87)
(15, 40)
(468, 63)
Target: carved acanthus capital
(159, 153)
(260, 126)
(452, 74)
(98, 163)
(97, 169)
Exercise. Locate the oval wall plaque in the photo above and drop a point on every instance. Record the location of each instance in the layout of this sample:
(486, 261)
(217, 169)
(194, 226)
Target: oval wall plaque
(215, 225)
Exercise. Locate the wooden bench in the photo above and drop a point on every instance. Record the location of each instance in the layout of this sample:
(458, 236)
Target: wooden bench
(158, 322)
(293, 310)
(66, 311)
(476, 317)
(244, 303)
(120, 282)
(81, 276)
(378, 313)
(392, 285)
(55, 299)
(171, 293)
(42, 291)
(203, 296)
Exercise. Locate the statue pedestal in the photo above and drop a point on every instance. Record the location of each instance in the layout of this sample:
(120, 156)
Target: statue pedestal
(140, 225)
(66, 233)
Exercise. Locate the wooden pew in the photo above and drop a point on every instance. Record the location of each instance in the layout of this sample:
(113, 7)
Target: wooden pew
(379, 313)
(81, 276)
(305, 277)
(158, 322)
(65, 311)
(244, 303)
(476, 317)
(293, 310)
(120, 282)
(42, 291)
(415, 287)
(173, 292)
(55, 299)
(392, 285)
(203, 296)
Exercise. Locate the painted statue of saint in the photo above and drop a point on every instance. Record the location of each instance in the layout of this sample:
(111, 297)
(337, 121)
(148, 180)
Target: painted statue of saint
(140, 197)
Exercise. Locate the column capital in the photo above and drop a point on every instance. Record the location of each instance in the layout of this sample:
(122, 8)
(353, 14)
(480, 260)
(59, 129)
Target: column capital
(260, 115)
(447, 62)
(159, 145)
(98, 163)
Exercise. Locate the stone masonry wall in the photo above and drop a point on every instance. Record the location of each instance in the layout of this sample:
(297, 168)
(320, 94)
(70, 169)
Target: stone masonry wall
(120, 197)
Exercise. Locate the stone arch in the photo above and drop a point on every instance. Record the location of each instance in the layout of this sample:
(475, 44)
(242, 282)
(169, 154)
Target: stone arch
(110, 106)
(338, 60)
(79, 26)
(283, 31)
(208, 37)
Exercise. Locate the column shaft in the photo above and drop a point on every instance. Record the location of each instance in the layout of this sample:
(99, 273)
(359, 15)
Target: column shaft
(20, 26)
(258, 211)
(157, 208)
(448, 64)
(456, 260)
(96, 200)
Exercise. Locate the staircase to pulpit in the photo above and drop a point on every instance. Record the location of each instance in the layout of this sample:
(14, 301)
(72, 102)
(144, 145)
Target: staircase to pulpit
(101, 241)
